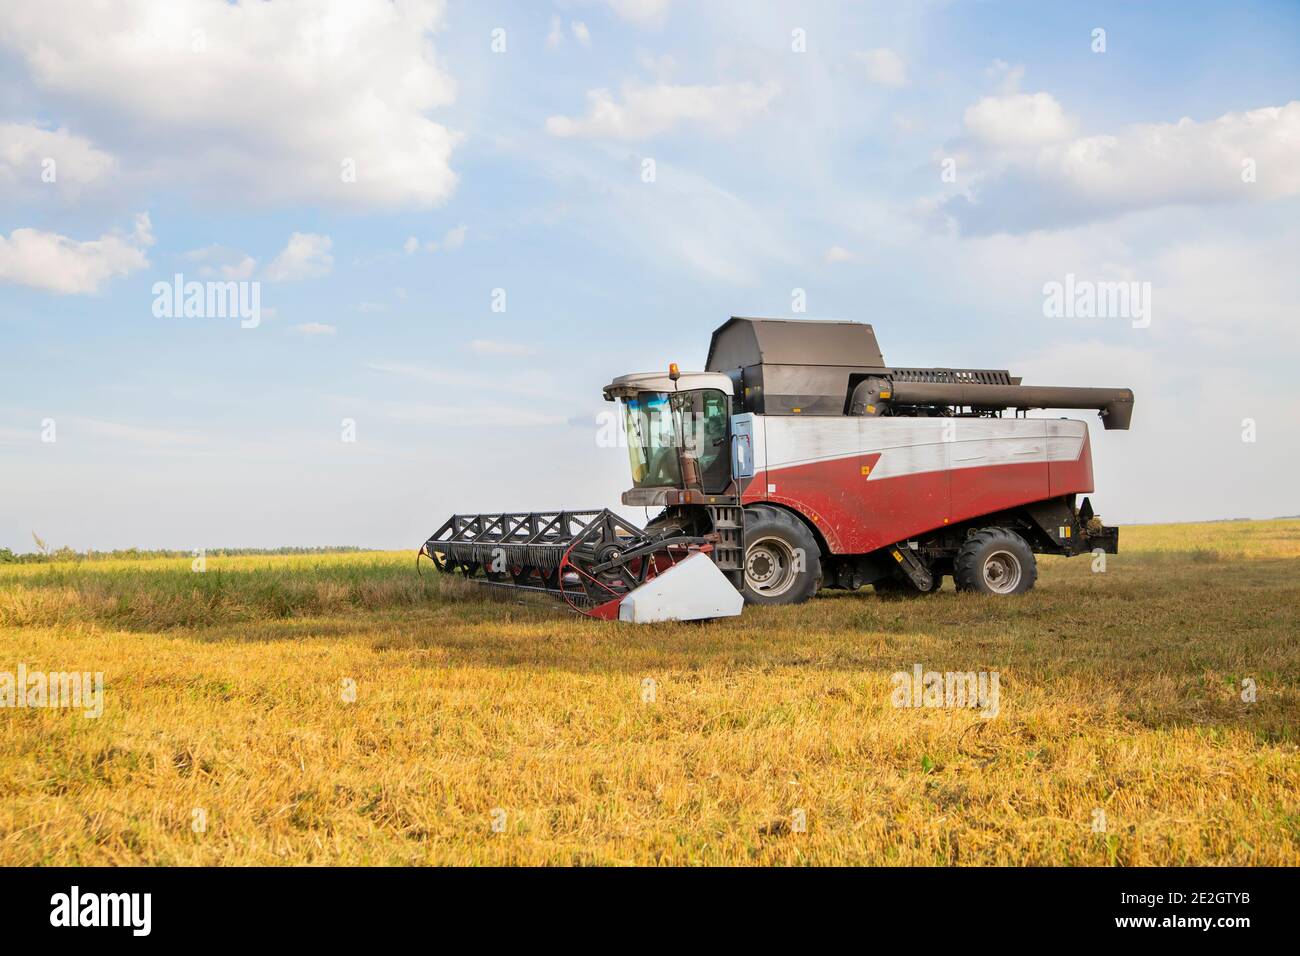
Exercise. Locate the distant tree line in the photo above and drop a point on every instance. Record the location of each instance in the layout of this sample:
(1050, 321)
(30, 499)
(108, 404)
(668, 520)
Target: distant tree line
(68, 554)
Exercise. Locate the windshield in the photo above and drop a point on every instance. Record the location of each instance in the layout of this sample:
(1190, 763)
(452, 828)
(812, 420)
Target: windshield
(651, 440)
(664, 427)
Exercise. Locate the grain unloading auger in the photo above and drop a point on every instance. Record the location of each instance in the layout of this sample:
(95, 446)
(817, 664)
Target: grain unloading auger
(797, 461)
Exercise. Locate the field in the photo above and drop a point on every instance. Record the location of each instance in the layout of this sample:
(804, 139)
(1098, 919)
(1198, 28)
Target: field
(340, 709)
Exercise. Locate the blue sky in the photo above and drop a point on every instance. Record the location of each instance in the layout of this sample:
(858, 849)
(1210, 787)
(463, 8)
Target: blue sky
(776, 168)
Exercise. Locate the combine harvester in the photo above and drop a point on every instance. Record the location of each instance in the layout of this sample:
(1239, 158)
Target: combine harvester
(798, 460)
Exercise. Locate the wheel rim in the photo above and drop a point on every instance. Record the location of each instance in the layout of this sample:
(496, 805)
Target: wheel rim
(1002, 572)
(769, 567)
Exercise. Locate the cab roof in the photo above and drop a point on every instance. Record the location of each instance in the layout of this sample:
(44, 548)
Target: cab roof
(627, 385)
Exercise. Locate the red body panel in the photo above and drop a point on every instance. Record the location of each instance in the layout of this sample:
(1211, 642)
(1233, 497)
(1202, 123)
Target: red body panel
(1072, 477)
(857, 513)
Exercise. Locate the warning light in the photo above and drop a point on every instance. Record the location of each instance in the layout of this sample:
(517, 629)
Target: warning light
(674, 372)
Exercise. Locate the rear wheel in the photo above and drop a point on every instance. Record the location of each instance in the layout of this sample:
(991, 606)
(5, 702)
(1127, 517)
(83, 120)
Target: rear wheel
(782, 560)
(995, 561)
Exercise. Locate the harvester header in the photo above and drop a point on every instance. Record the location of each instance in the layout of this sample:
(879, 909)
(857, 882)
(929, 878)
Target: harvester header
(797, 460)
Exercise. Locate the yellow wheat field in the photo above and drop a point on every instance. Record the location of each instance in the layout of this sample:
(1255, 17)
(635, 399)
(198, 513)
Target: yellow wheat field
(340, 709)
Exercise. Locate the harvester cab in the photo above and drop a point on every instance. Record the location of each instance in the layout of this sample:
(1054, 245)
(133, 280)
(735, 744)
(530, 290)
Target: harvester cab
(676, 430)
(798, 460)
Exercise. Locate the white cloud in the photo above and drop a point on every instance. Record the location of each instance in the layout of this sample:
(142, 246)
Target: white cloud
(1017, 120)
(838, 254)
(55, 263)
(25, 150)
(580, 32)
(223, 262)
(884, 67)
(493, 347)
(1229, 285)
(452, 240)
(660, 67)
(1006, 76)
(307, 256)
(371, 307)
(315, 328)
(455, 238)
(645, 12)
(556, 36)
(269, 99)
(647, 111)
(904, 124)
(691, 223)
(1054, 181)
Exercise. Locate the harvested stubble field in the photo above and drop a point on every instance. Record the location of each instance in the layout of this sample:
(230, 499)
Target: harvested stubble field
(225, 692)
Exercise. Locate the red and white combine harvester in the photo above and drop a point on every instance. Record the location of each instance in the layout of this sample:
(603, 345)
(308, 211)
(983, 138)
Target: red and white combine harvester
(798, 460)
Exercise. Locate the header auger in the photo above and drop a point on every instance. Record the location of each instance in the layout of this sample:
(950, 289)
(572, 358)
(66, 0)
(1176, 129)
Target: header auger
(798, 460)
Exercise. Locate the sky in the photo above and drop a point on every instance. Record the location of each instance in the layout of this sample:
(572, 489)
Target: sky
(461, 220)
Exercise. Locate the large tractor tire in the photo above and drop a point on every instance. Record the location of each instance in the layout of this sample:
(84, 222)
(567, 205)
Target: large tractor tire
(783, 563)
(995, 561)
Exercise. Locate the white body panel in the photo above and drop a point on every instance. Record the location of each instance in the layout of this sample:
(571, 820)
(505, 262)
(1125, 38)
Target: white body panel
(910, 446)
(692, 589)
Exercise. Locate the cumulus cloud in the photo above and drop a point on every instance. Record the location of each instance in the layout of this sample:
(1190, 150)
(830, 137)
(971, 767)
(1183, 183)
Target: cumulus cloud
(1028, 171)
(580, 32)
(837, 254)
(307, 256)
(884, 67)
(649, 110)
(1016, 120)
(323, 100)
(55, 263)
(33, 157)
(315, 328)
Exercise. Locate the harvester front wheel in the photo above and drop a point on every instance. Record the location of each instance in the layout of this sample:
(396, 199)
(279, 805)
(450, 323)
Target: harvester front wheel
(995, 561)
(783, 564)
